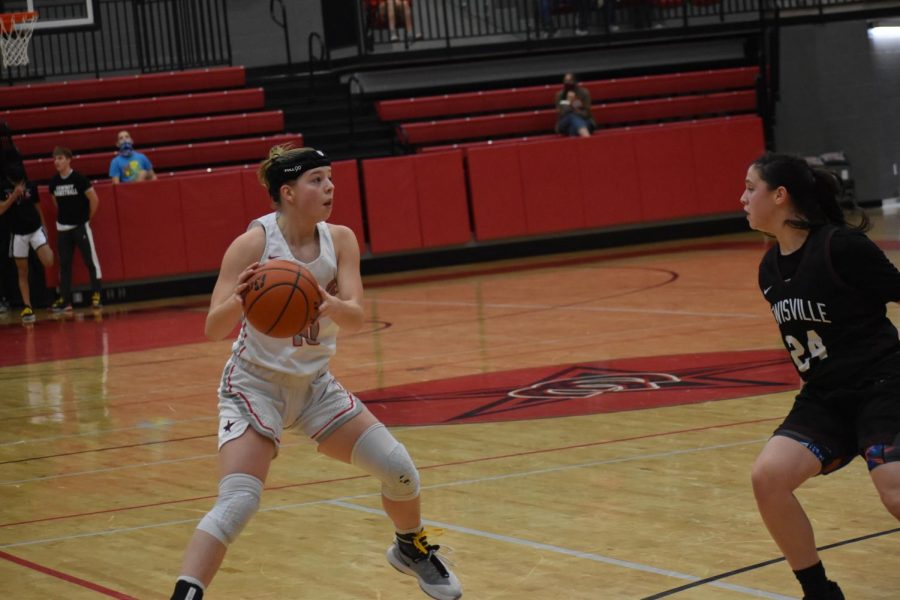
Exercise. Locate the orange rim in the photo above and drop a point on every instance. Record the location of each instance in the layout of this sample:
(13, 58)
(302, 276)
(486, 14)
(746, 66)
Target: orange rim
(8, 20)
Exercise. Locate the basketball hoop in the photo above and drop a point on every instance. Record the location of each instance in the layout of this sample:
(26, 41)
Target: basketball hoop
(15, 33)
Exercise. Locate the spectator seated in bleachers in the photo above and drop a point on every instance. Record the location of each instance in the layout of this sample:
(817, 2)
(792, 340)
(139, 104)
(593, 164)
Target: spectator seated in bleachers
(129, 164)
(573, 106)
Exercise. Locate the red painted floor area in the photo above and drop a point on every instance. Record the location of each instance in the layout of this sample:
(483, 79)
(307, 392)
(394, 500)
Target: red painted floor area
(90, 334)
(586, 388)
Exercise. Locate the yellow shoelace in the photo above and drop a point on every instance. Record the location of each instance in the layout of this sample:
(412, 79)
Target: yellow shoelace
(420, 541)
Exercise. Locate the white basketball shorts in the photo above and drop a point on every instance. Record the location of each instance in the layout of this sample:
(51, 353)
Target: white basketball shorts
(271, 402)
(35, 239)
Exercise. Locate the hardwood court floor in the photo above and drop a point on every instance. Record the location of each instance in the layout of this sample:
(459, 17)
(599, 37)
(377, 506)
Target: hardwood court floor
(584, 426)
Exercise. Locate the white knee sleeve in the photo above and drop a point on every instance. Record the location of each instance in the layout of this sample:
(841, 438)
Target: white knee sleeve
(379, 454)
(237, 502)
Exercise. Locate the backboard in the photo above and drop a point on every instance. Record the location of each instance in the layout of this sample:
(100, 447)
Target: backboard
(64, 15)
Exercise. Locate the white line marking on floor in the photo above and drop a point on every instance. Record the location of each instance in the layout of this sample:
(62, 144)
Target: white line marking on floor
(575, 553)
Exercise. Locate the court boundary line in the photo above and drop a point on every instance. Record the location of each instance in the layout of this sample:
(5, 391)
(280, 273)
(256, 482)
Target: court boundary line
(458, 482)
(421, 468)
(573, 307)
(332, 501)
(107, 448)
(139, 427)
(562, 262)
(766, 563)
(94, 587)
(342, 501)
(626, 564)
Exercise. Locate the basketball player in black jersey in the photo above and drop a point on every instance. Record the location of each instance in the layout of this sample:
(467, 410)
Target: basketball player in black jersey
(827, 285)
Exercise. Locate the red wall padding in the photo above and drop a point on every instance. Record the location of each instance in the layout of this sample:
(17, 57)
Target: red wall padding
(347, 199)
(415, 202)
(182, 225)
(464, 146)
(207, 170)
(256, 199)
(722, 151)
(495, 181)
(609, 176)
(74, 115)
(151, 224)
(213, 215)
(551, 186)
(168, 157)
(617, 176)
(441, 192)
(392, 205)
(121, 87)
(666, 172)
(146, 134)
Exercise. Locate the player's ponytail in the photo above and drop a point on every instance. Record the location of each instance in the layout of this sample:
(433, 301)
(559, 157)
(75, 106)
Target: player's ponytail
(815, 193)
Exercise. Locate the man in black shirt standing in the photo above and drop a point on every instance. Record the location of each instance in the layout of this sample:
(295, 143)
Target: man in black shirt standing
(76, 202)
(20, 202)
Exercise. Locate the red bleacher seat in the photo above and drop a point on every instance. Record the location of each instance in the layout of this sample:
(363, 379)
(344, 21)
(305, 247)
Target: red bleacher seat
(68, 92)
(542, 95)
(679, 106)
(74, 115)
(545, 120)
(473, 127)
(155, 132)
(689, 82)
(167, 157)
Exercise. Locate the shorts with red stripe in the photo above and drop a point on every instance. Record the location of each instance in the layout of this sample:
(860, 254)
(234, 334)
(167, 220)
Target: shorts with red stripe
(272, 402)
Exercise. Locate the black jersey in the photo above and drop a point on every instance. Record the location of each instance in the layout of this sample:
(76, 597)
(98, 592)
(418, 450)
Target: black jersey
(831, 329)
(74, 206)
(23, 214)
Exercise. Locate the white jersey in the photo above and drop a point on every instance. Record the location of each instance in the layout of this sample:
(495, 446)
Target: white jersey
(308, 352)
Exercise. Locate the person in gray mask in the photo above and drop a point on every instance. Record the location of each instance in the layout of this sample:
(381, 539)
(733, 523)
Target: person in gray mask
(129, 164)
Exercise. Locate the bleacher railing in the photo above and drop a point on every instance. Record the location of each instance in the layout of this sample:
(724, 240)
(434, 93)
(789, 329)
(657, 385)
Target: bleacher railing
(132, 35)
(460, 22)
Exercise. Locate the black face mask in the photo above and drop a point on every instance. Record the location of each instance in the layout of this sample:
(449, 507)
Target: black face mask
(569, 87)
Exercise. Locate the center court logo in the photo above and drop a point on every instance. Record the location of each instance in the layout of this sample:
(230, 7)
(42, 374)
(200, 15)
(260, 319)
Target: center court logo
(585, 388)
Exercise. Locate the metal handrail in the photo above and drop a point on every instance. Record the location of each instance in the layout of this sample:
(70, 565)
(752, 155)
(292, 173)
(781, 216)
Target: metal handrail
(350, 120)
(324, 57)
(282, 24)
(130, 35)
(443, 22)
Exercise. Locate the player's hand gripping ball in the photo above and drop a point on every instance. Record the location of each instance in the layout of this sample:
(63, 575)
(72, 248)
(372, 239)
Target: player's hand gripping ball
(282, 299)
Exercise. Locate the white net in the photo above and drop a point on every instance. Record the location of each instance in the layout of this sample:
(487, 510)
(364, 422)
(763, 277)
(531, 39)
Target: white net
(15, 33)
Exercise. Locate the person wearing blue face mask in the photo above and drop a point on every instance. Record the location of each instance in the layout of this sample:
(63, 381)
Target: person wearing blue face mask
(129, 164)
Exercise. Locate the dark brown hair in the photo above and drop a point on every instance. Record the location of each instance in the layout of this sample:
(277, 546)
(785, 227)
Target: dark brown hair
(815, 192)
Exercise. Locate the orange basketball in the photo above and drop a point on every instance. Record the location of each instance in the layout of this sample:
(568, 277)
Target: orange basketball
(282, 299)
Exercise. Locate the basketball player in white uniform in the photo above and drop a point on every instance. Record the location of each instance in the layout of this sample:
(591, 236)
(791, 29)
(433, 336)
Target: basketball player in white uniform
(273, 384)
